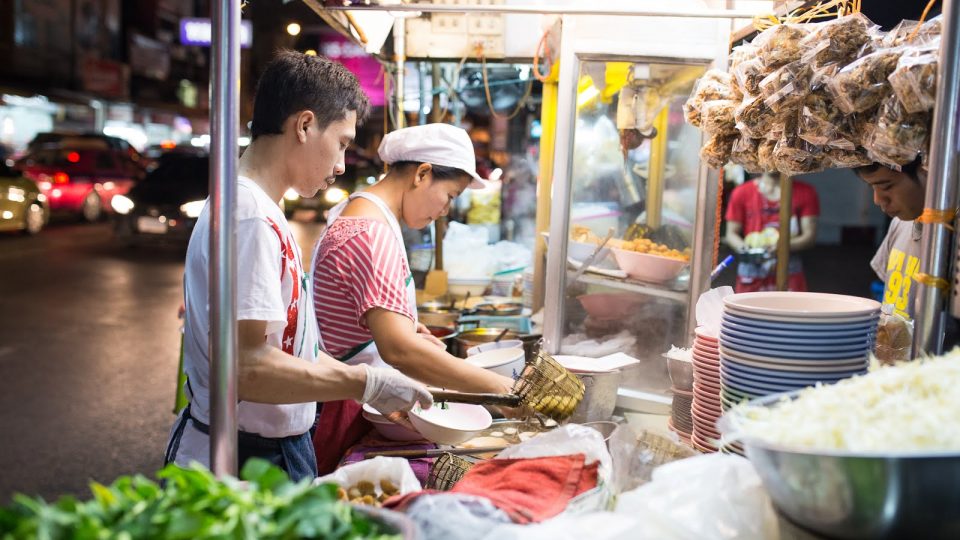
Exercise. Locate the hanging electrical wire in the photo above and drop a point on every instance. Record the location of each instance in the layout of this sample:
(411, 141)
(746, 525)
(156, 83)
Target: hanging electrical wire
(486, 91)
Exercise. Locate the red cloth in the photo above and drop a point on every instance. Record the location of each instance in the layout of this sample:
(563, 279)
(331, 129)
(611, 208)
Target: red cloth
(339, 427)
(528, 490)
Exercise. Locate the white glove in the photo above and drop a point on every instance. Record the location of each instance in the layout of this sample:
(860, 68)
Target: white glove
(390, 391)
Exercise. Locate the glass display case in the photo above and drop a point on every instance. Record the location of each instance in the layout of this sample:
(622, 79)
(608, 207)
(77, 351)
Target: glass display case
(627, 166)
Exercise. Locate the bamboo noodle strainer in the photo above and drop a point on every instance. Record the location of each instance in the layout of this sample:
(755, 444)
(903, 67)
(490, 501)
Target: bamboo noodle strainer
(545, 387)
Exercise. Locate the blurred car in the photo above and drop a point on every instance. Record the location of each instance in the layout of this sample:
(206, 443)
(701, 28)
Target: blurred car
(82, 174)
(156, 153)
(165, 205)
(22, 206)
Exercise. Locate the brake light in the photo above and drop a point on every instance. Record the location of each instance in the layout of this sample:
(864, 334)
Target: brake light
(61, 178)
(73, 157)
(168, 145)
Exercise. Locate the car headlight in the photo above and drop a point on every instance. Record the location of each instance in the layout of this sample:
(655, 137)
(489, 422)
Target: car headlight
(121, 204)
(192, 209)
(335, 195)
(291, 195)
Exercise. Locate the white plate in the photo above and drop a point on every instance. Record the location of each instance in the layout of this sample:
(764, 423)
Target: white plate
(802, 304)
(800, 318)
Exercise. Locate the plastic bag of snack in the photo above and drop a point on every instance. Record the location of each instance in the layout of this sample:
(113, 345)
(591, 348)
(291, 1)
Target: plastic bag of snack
(765, 154)
(716, 117)
(822, 124)
(894, 340)
(780, 44)
(846, 159)
(716, 152)
(836, 42)
(741, 53)
(714, 85)
(793, 155)
(906, 33)
(914, 80)
(749, 73)
(744, 153)
(754, 118)
(898, 136)
(862, 84)
(785, 88)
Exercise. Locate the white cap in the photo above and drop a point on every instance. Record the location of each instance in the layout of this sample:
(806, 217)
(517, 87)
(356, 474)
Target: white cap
(436, 144)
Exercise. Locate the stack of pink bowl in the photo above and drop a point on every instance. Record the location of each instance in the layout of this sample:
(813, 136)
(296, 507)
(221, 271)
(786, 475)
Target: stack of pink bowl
(706, 408)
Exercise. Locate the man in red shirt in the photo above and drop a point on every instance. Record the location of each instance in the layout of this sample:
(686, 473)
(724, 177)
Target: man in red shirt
(753, 220)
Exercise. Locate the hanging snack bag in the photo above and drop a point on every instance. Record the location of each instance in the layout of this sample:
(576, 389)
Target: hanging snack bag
(716, 152)
(744, 153)
(754, 118)
(846, 159)
(779, 45)
(821, 123)
(714, 85)
(716, 117)
(914, 80)
(894, 340)
(784, 89)
(765, 154)
(749, 73)
(898, 136)
(836, 42)
(862, 84)
(792, 155)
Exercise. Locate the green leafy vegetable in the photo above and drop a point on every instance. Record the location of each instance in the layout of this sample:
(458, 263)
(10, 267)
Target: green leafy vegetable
(193, 504)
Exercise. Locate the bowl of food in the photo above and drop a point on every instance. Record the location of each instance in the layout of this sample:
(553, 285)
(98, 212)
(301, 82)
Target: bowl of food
(450, 423)
(508, 362)
(884, 463)
(389, 430)
(438, 314)
(649, 267)
(476, 287)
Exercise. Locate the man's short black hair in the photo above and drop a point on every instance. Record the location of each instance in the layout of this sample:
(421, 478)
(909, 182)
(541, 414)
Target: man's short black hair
(911, 169)
(294, 82)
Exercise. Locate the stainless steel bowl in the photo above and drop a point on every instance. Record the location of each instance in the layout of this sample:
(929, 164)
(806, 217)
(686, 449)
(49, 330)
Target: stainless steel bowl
(854, 496)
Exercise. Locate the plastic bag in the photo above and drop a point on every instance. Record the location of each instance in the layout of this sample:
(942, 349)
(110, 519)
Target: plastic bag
(914, 80)
(741, 53)
(636, 456)
(793, 155)
(395, 470)
(749, 73)
(455, 516)
(714, 85)
(716, 152)
(821, 123)
(898, 136)
(754, 118)
(744, 153)
(765, 154)
(563, 441)
(836, 42)
(780, 44)
(784, 89)
(894, 337)
(592, 526)
(712, 496)
(717, 117)
(847, 159)
(901, 33)
(862, 84)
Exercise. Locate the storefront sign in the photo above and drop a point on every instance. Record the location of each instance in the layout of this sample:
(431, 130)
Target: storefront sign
(104, 77)
(149, 57)
(337, 47)
(197, 32)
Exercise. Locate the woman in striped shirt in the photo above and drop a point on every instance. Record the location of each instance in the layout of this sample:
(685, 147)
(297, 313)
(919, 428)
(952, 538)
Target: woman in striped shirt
(364, 295)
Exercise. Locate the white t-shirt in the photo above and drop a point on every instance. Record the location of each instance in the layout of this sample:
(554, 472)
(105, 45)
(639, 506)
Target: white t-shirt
(271, 287)
(896, 262)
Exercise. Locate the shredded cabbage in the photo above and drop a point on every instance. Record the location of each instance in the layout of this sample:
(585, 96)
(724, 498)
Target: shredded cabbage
(912, 406)
(679, 353)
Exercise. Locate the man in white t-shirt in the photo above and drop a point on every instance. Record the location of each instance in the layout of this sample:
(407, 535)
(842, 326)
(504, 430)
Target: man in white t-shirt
(305, 115)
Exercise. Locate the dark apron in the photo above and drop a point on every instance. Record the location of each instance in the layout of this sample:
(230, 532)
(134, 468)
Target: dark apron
(293, 454)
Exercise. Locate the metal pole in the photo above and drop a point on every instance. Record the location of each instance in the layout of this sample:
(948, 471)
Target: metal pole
(225, 117)
(424, 94)
(783, 245)
(400, 54)
(935, 247)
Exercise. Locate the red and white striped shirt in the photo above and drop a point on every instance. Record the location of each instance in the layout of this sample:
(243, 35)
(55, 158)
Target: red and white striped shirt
(359, 266)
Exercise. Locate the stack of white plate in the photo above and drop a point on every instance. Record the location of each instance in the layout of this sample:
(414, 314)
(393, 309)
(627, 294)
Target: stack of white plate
(773, 342)
(706, 407)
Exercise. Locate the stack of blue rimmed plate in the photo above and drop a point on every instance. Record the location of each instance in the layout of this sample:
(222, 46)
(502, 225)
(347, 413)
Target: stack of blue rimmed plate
(774, 342)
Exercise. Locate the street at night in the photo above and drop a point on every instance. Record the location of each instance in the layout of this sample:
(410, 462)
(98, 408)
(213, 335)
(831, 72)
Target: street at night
(88, 349)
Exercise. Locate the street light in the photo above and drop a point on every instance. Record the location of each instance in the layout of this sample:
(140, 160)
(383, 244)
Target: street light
(310, 52)
(293, 29)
